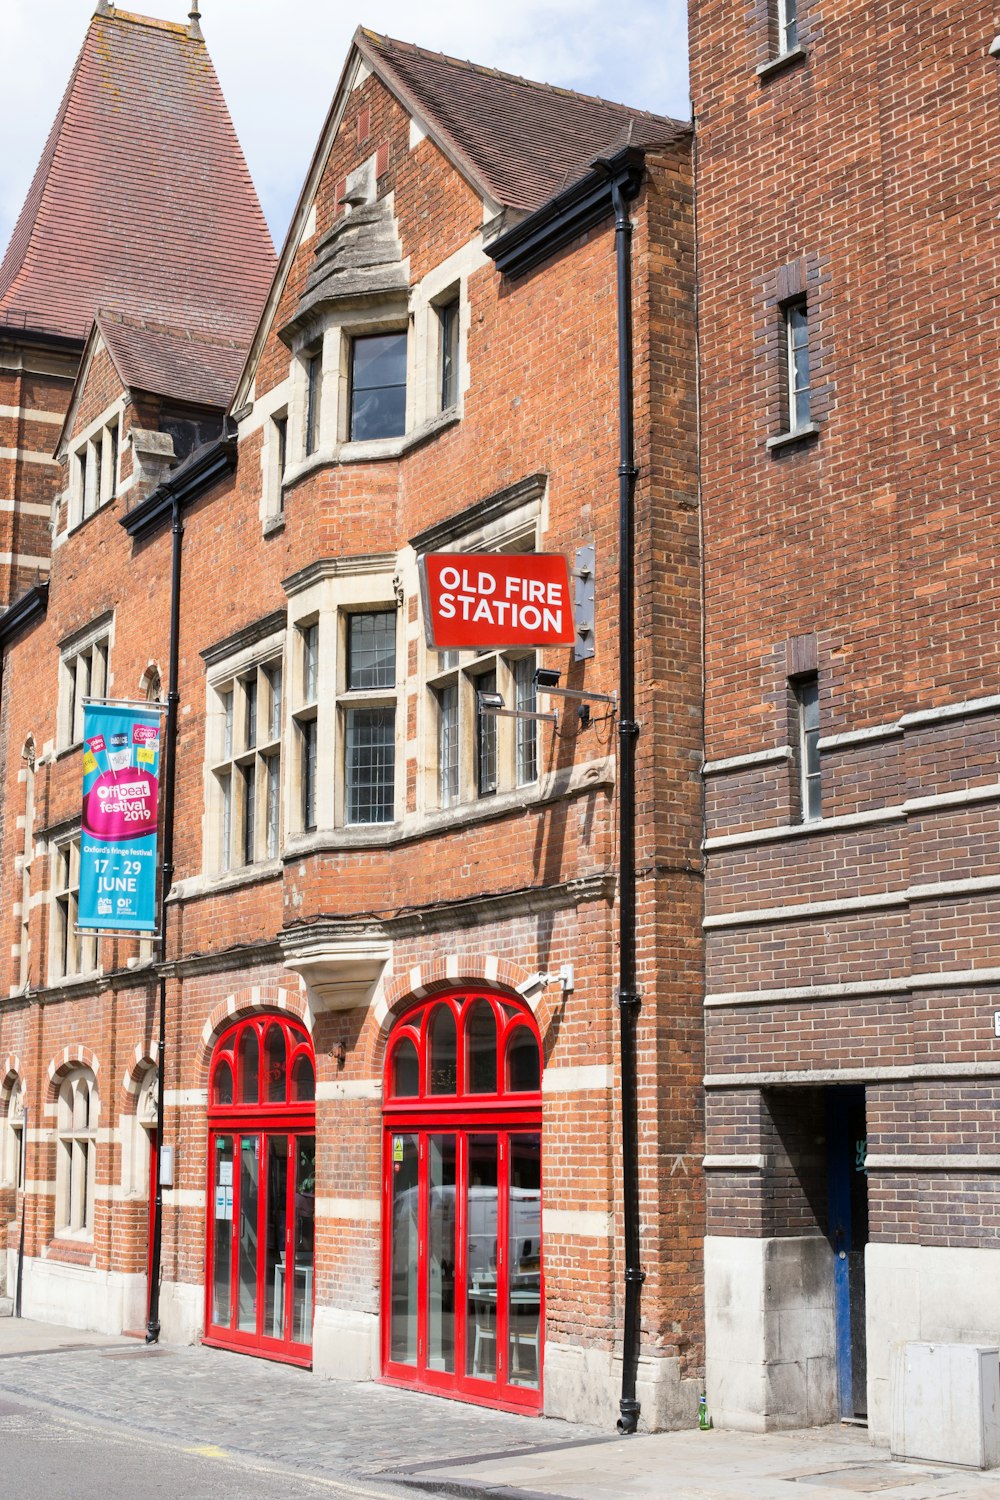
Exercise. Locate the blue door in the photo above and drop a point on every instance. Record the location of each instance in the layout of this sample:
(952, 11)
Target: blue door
(848, 1234)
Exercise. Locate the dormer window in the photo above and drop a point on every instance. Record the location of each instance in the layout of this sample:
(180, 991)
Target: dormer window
(378, 386)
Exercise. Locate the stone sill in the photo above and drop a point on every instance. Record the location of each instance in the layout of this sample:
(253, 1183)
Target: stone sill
(779, 64)
(232, 880)
(800, 435)
(550, 788)
(375, 450)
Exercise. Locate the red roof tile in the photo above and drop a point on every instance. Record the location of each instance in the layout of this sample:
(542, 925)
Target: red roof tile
(142, 200)
(523, 141)
(172, 362)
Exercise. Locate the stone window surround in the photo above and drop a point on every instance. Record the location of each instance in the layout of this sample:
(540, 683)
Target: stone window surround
(389, 312)
(259, 645)
(64, 860)
(71, 649)
(511, 521)
(83, 446)
(76, 1154)
(325, 594)
(12, 1133)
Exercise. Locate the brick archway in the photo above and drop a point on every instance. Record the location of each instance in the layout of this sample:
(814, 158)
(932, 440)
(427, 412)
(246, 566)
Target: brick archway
(70, 1057)
(487, 971)
(141, 1061)
(12, 1073)
(254, 997)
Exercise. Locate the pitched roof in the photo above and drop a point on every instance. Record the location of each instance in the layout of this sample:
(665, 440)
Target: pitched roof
(172, 362)
(524, 141)
(142, 200)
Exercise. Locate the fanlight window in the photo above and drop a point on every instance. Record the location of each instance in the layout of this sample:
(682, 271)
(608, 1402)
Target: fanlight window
(263, 1063)
(469, 1046)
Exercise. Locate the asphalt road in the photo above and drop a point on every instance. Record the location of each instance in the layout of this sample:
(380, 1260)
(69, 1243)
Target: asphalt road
(84, 1418)
(48, 1456)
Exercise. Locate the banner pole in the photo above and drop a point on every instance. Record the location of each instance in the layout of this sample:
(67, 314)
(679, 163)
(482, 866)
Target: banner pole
(167, 876)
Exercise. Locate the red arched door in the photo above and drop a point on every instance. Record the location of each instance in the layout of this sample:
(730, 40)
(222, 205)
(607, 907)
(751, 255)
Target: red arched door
(462, 1298)
(261, 1190)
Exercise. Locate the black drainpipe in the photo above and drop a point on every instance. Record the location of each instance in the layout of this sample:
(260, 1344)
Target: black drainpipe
(166, 880)
(625, 186)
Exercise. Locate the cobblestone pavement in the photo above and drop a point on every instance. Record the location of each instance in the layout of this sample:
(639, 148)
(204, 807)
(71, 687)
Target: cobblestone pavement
(192, 1399)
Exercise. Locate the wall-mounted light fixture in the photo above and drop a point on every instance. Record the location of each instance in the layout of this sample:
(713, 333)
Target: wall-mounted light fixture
(547, 681)
(491, 706)
(995, 46)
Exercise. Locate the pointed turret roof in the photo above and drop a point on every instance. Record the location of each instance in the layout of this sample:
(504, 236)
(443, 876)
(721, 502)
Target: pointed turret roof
(142, 201)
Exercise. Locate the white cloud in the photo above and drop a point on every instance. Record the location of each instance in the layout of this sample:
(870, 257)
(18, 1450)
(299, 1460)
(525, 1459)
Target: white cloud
(279, 61)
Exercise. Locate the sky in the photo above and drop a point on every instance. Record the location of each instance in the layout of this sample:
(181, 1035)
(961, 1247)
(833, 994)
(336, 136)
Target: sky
(279, 60)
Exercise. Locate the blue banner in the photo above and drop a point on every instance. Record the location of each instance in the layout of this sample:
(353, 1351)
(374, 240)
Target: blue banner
(121, 784)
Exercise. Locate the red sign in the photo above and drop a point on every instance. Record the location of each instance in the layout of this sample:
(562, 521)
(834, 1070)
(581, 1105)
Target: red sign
(497, 599)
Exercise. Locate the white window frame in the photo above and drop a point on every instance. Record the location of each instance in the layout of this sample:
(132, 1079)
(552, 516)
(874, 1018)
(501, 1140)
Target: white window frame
(303, 772)
(805, 692)
(72, 954)
(797, 374)
(517, 740)
(84, 672)
(78, 1110)
(231, 756)
(363, 699)
(787, 21)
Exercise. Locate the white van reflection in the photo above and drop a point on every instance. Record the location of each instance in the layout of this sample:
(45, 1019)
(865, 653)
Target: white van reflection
(524, 1215)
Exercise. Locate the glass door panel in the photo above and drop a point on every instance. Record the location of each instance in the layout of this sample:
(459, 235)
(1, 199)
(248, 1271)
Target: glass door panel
(405, 1169)
(524, 1259)
(222, 1232)
(247, 1283)
(441, 1254)
(481, 1258)
(275, 1236)
(305, 1220)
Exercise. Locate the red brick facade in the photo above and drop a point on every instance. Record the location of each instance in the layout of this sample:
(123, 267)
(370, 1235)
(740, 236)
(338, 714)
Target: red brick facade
(490, 895)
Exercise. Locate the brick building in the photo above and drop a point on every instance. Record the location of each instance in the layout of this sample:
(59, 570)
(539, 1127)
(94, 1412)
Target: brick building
(849, 346)
(390, 1081)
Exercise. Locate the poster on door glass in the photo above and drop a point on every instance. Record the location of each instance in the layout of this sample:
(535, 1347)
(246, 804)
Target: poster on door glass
(121, 769)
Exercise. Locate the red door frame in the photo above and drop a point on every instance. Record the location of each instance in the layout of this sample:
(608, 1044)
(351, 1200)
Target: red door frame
(150, 1215)
(239, 1120)
(503, 1114)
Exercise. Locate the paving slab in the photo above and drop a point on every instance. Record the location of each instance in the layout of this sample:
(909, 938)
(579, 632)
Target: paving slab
(22, 1336)
(831, 1463)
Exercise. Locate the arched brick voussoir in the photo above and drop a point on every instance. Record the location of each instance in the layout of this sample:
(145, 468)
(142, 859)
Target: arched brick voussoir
(499, 976)
(257, 997)
(12, 1073)
(142, 1059)
(69, 1057)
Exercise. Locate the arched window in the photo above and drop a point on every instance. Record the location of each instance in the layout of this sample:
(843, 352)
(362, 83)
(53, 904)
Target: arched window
(150, 683)
(462, 1045)
(77, 1114)
(12, 1136)
(262, 1185)
(462, 1247)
